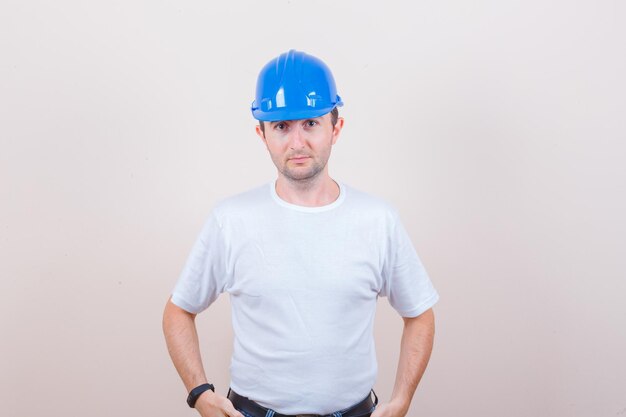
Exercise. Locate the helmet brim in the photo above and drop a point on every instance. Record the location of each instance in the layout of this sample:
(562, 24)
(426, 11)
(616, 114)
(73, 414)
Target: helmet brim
(279, 115)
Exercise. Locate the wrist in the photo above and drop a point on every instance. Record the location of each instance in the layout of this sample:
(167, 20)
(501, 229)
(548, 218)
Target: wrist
(399, 406)
(195, 393)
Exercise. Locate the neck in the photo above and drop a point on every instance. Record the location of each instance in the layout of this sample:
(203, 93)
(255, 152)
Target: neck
(312, 192)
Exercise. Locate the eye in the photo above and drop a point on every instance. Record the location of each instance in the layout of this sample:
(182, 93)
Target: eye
(280, 126)
(311, 123)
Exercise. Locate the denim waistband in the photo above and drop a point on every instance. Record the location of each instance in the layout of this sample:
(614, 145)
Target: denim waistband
(252, 409)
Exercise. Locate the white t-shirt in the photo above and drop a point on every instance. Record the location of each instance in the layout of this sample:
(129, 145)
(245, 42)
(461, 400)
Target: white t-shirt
(303, 283)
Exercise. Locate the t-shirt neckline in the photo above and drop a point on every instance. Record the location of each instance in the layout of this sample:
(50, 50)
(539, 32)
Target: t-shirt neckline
(318, 209)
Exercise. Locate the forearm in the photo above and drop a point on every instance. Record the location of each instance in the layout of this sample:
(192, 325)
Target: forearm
(415, 349)
(182, 343)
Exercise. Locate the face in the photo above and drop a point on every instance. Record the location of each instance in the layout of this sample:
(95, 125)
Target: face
(300, 149)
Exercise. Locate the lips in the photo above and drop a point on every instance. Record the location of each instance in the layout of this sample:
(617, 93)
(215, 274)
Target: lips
(299, 158)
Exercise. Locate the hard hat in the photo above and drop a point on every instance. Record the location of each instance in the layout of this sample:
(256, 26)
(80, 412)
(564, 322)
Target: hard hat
(294, 86)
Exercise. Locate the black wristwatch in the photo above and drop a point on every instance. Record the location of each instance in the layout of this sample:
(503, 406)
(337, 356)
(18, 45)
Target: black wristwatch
(195, 393)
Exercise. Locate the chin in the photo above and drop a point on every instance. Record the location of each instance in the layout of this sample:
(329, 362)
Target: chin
(300, 176)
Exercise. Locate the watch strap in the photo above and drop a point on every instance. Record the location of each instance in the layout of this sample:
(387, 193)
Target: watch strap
(195, 393)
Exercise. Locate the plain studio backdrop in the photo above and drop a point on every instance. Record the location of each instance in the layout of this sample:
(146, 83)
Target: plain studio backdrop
(497, 128)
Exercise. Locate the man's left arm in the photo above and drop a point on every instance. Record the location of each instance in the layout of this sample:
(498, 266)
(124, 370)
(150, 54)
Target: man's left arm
(415, 349)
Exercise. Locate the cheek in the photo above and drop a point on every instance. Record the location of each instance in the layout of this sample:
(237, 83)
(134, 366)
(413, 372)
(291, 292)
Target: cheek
(276, 148)
(276, 151)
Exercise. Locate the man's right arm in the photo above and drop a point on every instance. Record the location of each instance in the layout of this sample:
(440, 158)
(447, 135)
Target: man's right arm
(179, 328)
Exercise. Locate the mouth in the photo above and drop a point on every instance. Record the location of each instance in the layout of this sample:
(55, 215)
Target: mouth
(299, 158)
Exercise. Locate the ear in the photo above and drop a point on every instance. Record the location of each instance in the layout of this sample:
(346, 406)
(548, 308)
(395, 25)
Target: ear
(337, 129)
(260, 134)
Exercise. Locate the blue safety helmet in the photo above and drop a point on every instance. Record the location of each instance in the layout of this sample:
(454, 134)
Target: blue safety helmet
(294, 86)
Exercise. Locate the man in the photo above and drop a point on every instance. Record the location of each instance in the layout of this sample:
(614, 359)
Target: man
(304, 260)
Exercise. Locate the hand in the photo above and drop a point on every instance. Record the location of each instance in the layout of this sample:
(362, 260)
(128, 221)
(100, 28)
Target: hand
(389, 410)
(210, 404)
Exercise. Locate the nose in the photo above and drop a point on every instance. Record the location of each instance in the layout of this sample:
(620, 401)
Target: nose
(297, 138)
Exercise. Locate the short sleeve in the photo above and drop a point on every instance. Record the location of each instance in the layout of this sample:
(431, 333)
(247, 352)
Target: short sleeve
(204, 275)
(405, 280)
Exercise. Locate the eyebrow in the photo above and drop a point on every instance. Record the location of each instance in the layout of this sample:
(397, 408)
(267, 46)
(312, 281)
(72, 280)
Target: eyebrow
(289, 121)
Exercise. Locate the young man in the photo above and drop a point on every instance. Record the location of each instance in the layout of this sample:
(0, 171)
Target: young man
(303, 259)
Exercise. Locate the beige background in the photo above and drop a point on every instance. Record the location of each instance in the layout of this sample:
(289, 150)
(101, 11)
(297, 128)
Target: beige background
(496, 127)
